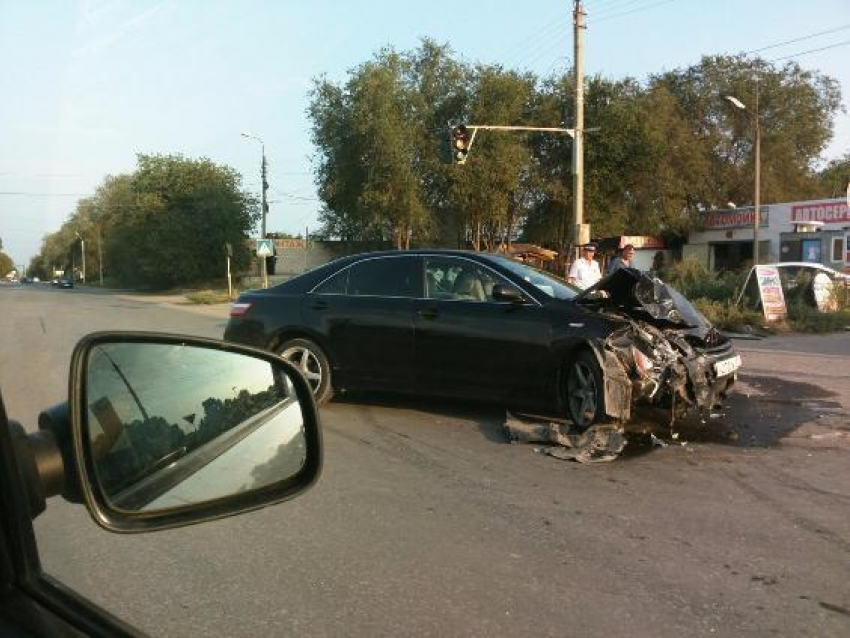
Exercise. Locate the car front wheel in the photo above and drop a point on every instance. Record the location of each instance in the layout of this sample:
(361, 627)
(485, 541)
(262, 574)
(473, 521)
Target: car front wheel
(312, 363)
(584, 386)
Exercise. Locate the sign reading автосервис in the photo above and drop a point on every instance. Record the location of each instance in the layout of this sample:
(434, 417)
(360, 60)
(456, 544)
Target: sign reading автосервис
(835, 212)
(770, 290)
(738, 218)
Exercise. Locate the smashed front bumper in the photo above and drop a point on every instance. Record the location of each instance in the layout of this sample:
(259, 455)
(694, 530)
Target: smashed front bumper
(681, 376)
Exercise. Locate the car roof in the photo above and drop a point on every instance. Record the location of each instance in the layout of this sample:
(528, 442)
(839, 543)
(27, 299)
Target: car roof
(308, 280)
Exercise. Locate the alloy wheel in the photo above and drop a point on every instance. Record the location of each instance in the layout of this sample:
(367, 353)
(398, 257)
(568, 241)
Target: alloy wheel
(582, 394)
(307, 363)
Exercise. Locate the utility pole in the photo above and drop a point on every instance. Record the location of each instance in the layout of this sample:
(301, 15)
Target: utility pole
(265, 188)
(757, 169)
(100, 256)
(306, 248)
(579, 235)
(265, 184)
(83, 253)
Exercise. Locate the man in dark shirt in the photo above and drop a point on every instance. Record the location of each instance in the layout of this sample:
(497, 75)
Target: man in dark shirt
(624, 259)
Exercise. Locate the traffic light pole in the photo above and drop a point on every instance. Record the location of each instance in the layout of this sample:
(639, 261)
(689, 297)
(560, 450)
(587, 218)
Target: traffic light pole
(536, 129)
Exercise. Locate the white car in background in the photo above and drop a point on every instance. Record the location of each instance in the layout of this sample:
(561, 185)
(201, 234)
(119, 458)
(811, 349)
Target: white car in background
(814, 284)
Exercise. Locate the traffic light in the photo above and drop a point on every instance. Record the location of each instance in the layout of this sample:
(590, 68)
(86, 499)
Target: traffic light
(460, 140)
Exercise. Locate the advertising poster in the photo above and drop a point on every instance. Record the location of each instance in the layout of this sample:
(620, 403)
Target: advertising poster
(770, 289)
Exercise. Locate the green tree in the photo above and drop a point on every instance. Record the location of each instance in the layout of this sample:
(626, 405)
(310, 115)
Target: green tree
(6, 263)
(796, 109)
(488, 190)
(172, 219)
(164, 225)
(367, 161)
(834, 177)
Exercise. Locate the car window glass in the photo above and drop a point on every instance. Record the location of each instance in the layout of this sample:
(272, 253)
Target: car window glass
(549, 284)
(384, 277)
(459, 280)
(335, 285)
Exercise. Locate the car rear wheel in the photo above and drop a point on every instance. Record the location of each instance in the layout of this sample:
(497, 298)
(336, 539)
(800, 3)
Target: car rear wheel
(583, 391)
(312, 363)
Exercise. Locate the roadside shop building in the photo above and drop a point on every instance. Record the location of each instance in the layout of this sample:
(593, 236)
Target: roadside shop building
(816, 231)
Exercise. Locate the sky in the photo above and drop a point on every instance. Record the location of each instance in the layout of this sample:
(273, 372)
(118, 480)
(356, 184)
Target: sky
(86, 85)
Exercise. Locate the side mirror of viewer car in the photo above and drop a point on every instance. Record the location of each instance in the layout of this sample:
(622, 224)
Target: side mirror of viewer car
(167, 431)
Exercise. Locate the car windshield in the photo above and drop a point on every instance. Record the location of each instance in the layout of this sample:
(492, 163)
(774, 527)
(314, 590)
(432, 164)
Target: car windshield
(549, 284)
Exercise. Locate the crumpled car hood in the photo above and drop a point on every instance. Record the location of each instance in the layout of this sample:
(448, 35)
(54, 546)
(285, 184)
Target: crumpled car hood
(639, 296)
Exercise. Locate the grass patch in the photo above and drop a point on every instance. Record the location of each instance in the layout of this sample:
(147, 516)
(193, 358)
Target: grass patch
(207, 296)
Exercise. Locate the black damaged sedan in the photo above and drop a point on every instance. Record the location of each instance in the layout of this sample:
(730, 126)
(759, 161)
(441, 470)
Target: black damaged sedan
(483, 326)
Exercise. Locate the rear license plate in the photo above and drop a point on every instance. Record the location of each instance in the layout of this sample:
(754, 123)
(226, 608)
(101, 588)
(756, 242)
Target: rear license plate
(727, 366)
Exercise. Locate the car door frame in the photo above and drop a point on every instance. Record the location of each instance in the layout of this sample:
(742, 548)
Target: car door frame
(33, 601)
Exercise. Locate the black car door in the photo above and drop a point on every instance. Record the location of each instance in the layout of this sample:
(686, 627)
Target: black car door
(365, 314)
(468, 344)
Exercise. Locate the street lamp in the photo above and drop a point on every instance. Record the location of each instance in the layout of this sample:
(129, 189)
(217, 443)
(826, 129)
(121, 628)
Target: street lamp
(83, 251)
(264, 181)
(754, 116)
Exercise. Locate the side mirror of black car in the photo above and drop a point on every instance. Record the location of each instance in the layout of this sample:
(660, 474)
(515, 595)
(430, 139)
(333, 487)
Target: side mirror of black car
(502, 292)
(166, 431)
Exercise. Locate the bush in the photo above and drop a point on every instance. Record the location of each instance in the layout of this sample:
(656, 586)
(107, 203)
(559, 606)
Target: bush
(695, 281)
(725, 315)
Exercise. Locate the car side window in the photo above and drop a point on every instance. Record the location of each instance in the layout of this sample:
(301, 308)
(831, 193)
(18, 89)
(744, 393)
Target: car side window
(458, 280)
(385, 277)
(335, 285)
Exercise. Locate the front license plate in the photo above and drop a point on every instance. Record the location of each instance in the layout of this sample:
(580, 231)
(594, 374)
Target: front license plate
(727, 366)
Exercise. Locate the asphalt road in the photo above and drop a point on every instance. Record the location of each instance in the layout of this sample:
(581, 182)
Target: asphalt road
(427, 522)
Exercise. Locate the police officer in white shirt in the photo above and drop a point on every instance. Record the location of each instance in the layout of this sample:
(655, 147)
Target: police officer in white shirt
(585, 270)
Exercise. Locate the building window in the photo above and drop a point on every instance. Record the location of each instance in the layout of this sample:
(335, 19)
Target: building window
(837, 245)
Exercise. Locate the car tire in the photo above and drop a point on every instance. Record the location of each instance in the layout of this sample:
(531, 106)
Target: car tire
(311, 361)
(583, 391)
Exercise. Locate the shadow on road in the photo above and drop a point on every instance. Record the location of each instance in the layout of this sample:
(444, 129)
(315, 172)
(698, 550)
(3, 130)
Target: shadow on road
(490, 418)
(761, 412)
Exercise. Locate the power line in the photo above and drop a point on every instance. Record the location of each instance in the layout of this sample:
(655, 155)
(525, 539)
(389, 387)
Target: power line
(543, 42)
(794, 55)
(800, 39)
(612, 9)
(518, 47)
(607, 5)
(549, 50)
(624, 13)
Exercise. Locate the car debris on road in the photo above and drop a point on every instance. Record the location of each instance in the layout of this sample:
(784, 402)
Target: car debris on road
(598, 444)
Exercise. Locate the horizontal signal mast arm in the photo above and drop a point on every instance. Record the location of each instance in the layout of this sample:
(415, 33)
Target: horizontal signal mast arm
(568, 131)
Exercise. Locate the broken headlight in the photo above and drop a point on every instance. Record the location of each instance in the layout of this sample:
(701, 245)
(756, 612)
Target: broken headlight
(643, 364)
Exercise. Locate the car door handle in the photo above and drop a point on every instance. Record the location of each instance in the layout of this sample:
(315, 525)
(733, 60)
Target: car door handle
(320, 305)
(429, 313)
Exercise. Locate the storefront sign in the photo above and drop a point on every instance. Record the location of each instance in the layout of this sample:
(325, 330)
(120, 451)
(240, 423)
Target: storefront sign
(283, 244)
(770, 290)
(835, 212)
(641, 241)
(738, 218)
